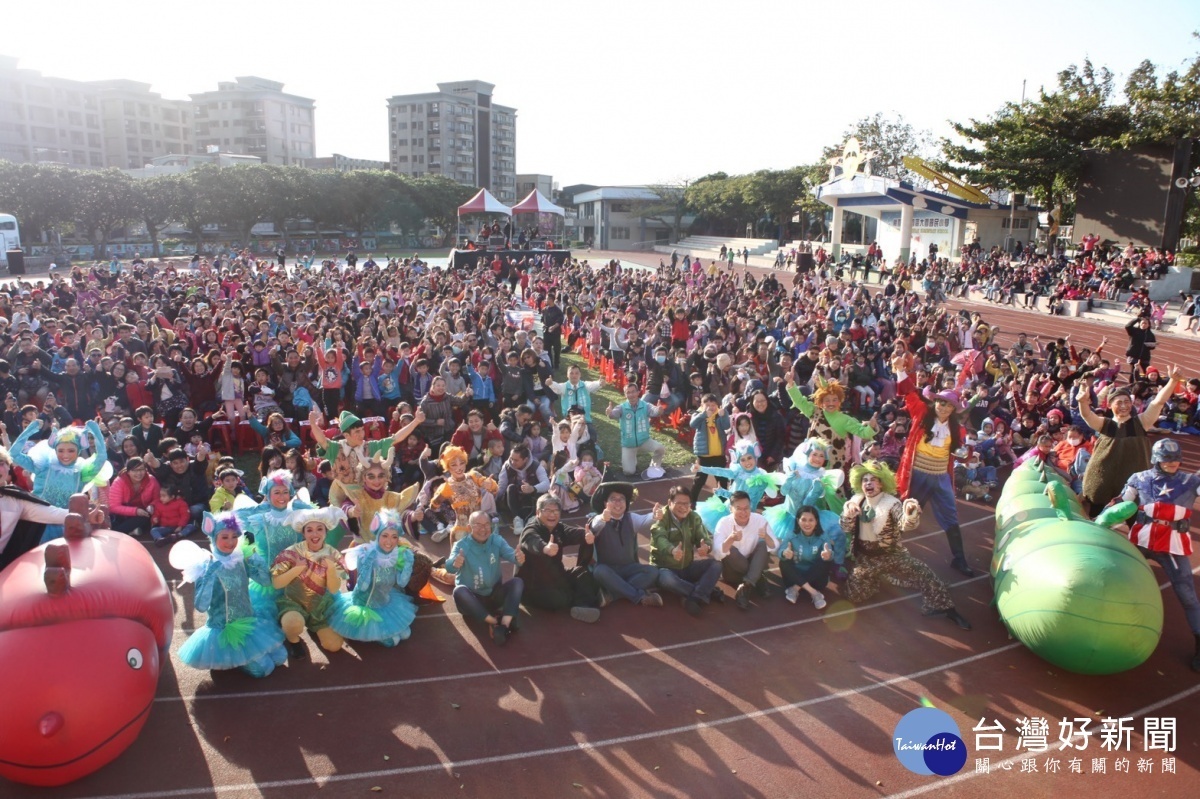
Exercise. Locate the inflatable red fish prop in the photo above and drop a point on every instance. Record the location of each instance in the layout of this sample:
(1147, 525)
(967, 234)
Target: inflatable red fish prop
(84, 625)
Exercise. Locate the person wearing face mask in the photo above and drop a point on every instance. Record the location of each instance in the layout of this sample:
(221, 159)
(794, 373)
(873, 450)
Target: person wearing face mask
(1122, 448)
(664, 374)
(1160, 529)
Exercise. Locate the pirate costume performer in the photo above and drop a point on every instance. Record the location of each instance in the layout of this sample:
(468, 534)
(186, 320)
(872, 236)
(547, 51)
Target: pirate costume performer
(233, 636)
(378, 609)
(926, 471)
(828, 420)
(350, 456)
(1161, 527)
(309, 575)
(874, 519)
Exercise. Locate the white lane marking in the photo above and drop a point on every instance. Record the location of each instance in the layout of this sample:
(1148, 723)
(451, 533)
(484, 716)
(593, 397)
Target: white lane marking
(558, 664)
(582, 746)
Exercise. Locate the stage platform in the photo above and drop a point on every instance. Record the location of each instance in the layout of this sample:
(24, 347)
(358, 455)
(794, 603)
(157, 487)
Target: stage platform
(470, 257)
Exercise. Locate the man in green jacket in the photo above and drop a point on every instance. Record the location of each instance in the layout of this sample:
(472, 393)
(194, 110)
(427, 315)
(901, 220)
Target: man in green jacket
(682, 549)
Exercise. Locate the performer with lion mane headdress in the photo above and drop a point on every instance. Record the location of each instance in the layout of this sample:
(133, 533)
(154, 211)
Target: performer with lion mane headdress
(828, 420)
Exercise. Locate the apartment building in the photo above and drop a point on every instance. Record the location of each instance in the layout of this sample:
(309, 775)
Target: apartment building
(344, 163)
(457, 132)
(48, 120)
(543, 183)
(140, 125)
(254, 116)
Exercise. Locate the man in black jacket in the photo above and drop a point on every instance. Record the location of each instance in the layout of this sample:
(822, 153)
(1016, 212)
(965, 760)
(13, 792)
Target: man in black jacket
(548, 583)
(552, 322)
(188, 479)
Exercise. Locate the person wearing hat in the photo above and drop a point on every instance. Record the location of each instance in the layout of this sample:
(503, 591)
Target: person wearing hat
(616, 531)
(351, 456)
(1165, 497)
(926, 471)
(1122, 448)
(874, 519)
(233, 637)
(634, 416)
(308, 574)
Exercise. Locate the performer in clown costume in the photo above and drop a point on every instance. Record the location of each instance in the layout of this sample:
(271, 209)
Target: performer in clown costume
(378, 609)
(57, 468)
(743, 476)
(828, 420)
(1160, 530)
(233, 637)
(266, 522)
(805, 481)
(308, 575)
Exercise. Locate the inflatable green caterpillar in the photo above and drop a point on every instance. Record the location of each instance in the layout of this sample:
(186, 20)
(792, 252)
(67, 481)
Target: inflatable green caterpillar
(1071, 590)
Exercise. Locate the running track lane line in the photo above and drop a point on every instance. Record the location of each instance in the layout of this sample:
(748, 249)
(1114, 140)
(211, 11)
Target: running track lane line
(180, 631)
(583, 746)
(558, 664)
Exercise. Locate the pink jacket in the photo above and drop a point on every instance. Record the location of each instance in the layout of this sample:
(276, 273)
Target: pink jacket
(123, 502)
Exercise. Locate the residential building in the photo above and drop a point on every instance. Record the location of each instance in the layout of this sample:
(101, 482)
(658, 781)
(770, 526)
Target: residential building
(254, 116)
(48, 120)
(457, 132)
(178, 164)
(139, 125)
(344, 163)
(543, 183)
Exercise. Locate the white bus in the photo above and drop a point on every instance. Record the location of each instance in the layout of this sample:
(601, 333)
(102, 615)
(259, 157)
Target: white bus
(10, 236)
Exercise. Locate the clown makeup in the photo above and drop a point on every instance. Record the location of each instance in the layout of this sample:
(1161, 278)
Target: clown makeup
(375, 478)
(314, 536)
(388, 539)
(830, 403)
(67, 452)
(278, 496)
(226, 541)
(871, 485)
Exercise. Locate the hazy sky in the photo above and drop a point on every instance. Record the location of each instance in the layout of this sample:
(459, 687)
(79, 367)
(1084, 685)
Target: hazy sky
(614, 92)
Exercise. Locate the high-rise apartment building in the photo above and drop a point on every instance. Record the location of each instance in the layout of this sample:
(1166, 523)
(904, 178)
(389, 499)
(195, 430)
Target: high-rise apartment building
(457, 132)
(254, 116)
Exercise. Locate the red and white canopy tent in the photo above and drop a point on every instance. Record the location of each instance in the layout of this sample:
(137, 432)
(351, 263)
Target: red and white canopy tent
(543, 212)
(482, 204)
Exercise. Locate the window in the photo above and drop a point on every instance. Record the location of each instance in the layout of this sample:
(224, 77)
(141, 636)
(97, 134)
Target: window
(401, 126)
(619, 233)
(403, 159)
(402, 142)
(619, 208)
(1021, 224)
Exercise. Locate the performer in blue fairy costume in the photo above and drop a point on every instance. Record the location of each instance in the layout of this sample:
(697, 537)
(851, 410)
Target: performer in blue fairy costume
(57, 469)
(804, 480)
(744, 476)
(378, 609)
(233, 637)
(266, 524)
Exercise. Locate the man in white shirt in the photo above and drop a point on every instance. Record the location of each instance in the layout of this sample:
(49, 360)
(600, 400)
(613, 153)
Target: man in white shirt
(743, 542)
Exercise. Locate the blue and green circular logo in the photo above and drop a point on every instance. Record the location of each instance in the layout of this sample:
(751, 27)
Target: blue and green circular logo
(927, 741)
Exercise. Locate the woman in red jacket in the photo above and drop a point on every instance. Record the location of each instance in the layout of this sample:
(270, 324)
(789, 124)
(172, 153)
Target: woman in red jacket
(131, 496)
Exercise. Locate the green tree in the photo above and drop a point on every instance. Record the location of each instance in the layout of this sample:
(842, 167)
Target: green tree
(236, 198)
(320, 200)
(287, 188)
(157, 201)
(1039, 146)
(38, 196)
(890, 139)
(668, 210)
(102, 203)
(776, 194)
(438, 198)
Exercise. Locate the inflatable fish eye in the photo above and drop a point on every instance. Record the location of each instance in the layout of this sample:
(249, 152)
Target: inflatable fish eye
(134, 658)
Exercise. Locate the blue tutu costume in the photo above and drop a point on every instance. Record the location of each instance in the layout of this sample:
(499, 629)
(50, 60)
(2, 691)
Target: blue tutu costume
(802, 483)
(377, 609)
(54, 482)
(233, 636)
(755, 482)
(272, 535)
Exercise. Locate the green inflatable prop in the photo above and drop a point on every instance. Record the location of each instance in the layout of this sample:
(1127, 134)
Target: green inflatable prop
(1076, 593)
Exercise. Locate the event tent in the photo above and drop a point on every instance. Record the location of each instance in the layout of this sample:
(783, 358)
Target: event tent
(536, 203)
(484, 203)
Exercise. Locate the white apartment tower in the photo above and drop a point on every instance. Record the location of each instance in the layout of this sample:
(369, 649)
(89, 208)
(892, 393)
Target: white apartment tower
(254, 116)
(457, 132)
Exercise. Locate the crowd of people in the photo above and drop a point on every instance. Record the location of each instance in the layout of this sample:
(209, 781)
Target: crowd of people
(393, 406)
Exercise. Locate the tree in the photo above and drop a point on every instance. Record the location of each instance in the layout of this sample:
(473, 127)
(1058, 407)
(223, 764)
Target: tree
(438, 198)
(38, 196)
(813, 212)
(320, 200)
(286, 188)
(237, 198)
(157, 201)
(777, 194)
(1038, 146)
(668, 210)
(720, 203)
(890, 139)
(102, 203)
